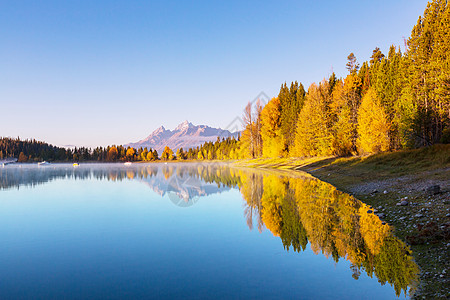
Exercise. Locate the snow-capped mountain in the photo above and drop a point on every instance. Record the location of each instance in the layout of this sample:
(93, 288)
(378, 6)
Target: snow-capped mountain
(186, 135)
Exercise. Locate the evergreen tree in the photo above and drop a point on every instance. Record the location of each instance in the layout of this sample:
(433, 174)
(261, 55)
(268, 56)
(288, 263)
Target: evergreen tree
(352, 65)
(429, 70)
(377, 56)
(291, 101)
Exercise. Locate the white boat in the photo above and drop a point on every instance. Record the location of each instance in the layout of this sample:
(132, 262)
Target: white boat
(128, 163)
(43, 163)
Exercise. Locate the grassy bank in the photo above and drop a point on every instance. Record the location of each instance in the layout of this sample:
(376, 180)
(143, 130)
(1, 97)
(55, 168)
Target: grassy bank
(384, 181)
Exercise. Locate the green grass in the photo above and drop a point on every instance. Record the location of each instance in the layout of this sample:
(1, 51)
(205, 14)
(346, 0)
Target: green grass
(387, 164)
(346, 170)
(433, 157)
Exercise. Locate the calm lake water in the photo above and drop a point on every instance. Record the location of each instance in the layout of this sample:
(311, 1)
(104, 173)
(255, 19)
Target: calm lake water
(109, 231)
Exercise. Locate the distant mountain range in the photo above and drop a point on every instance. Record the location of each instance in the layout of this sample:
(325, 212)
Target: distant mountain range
(186, 135)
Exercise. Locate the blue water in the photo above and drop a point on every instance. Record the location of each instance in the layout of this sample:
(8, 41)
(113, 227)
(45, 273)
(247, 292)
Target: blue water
(108, 232)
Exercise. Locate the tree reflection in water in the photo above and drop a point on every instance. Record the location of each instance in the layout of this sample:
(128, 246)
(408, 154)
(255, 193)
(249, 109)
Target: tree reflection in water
(303, 209)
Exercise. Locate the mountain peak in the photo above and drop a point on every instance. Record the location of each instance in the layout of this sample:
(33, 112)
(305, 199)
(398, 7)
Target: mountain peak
(186, 135)
(183, 126)
(160, 129)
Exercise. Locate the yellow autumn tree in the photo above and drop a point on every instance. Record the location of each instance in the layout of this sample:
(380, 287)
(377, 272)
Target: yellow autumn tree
(373, 125)
(272, 139)
(150, 156)
(246, 148)
(167, 154)
(130, 153)
(112, 154)
(313, 136)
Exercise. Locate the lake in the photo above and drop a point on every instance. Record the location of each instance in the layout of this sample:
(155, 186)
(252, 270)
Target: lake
(191, 231)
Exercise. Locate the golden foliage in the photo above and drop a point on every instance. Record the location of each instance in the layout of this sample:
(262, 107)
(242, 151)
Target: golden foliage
(373, 125)
(130, 152)
(150, 156)
(112, 154)
(313, 136)
(272, 139)
(246, 142)
(342, 115)
(167, 154)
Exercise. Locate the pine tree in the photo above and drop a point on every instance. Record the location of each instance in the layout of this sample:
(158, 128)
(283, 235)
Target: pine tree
(364, 76)
(291, 102)
(377, 56)
(352, 65)
(429, 71)
(155, 155)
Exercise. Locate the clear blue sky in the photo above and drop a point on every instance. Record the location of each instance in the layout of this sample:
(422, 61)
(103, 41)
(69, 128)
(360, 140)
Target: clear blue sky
(109, 72)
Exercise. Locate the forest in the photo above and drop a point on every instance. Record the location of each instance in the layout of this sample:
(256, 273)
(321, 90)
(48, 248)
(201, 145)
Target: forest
(393, 101)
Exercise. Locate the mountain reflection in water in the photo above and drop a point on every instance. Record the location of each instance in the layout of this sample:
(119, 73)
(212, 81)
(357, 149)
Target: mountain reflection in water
(295, 207)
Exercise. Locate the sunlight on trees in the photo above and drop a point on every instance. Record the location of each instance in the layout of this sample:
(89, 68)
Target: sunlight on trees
(167, 154)
(272, 140)
(373, 126)
(112, 154)
(313, 135)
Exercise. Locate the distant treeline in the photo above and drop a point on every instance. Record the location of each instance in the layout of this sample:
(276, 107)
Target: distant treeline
(34, 151)
(30, 150)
